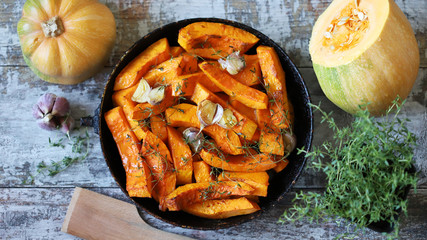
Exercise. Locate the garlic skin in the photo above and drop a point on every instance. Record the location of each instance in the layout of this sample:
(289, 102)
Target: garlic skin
(141, 93)
(233, 63)
(51, 111)
(228, 119)
(156, 95)
(194, 138)
(66, 124)
(209, 113)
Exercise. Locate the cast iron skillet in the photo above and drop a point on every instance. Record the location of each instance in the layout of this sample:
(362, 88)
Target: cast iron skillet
(279, 183)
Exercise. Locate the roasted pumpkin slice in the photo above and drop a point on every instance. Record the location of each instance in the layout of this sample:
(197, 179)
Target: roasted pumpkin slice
(275, 84)
(181, 155)
(249, 96)
(223, 208)
(183, 85)
(245, 126)
(138, 67)
(185, 115)
(215, 40)
(175, 51)
(241, 163)
(258, 180)
(160, 162)
(159, 127)
(271, 141)
(138, 175)
(202, 172)
(189, 194)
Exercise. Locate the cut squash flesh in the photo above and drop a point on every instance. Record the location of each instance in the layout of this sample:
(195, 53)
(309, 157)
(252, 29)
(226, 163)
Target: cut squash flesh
(379, 64)
(223, 208)
(198, 192)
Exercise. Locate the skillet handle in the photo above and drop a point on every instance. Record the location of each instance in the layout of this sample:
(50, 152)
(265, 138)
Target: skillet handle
(92, 121)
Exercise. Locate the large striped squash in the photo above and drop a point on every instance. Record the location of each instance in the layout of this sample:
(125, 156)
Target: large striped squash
(364, 51)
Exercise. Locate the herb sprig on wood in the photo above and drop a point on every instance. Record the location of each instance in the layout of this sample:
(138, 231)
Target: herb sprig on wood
(367, 165)
(79, 148)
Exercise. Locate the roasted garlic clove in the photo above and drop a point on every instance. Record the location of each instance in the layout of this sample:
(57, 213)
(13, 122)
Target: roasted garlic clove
(141, 93)
(156, 95)
(209, 112)
(290, 141)
(233, 63)
(194, 138)
(228, 119)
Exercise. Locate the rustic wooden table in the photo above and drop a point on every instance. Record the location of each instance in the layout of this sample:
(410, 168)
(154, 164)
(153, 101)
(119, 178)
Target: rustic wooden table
(36, 211)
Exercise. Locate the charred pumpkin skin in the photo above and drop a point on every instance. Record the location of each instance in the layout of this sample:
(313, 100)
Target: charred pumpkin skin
(386, 69)
(73, 54)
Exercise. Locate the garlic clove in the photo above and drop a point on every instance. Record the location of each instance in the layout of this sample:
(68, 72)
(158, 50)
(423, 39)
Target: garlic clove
(66, 124)
(290, 141)
(228, 119)
(61, 107)
(209, 112)
(194, 138)
(156, 95)
(141, 93)
(46, 102)
(233, 63)
(37, 113)
(47, 122)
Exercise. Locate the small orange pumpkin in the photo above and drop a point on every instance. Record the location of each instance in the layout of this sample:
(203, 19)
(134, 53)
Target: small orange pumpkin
(67, 41)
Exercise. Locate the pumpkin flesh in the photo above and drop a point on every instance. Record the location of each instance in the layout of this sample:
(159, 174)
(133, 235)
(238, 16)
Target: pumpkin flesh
(379, 64)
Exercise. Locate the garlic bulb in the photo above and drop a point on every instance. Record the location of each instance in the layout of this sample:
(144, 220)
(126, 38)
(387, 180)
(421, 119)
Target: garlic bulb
(53, 112)
(142, 91)
(233, 63)
(228, 119)
(194, 138)
(209, 113)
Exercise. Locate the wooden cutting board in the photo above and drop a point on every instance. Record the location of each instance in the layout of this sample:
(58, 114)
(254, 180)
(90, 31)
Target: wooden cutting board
(91, 215)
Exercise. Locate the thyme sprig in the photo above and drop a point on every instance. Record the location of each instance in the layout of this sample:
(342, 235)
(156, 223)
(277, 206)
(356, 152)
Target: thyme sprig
(79, 149)
(367, 174)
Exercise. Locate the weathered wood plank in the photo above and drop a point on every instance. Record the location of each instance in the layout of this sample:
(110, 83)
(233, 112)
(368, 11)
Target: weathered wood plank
(27, 213)
(289, 23)
(23, 145)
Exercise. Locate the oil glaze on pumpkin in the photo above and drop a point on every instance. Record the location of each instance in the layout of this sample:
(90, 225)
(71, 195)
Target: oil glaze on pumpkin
(364, 51)
(66, 41)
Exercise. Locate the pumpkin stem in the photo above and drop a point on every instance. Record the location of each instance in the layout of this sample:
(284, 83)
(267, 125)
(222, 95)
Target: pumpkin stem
(53, 27)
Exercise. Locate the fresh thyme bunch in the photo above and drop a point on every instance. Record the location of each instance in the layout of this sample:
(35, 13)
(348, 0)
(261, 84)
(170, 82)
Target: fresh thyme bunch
(367, 173)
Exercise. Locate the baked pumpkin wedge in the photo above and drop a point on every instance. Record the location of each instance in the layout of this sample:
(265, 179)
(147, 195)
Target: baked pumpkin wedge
(242, 163)
(215, 40)
(222, 208)
(138, 175)
(160, 162)
(181, 155)
(251, 97)
(198, 192)
(138, 67)
(258, 180)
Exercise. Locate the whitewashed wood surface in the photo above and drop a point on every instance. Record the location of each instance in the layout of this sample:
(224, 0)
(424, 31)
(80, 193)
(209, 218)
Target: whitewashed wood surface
(37, 211)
